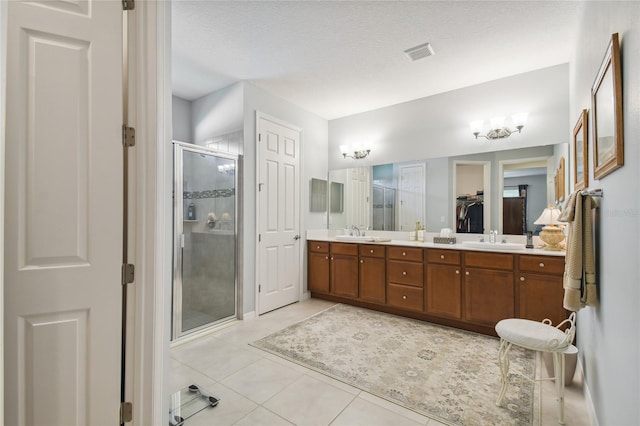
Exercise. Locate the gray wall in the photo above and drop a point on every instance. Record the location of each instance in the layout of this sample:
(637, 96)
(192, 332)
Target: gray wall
(438, 126)
(609, 334)
(218, 113)
(181, 120)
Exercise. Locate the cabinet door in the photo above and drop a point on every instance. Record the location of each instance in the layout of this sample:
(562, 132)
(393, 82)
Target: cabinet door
(344, 275)
(372, 283)
(541, 297)
(444, 291)
(318, 272)
(489, 296)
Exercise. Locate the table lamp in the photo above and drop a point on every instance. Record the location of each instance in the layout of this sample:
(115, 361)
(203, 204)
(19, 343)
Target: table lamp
(551, 232)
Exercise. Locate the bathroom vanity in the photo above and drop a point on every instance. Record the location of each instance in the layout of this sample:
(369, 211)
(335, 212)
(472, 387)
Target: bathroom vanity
(452, 285)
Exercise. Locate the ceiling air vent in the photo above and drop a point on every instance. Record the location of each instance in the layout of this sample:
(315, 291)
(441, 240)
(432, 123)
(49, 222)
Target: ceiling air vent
(419, 52)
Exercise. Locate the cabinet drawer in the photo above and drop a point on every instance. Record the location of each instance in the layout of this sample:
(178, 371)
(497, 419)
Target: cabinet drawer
(344, 248)
(542, 264)
(405, 297)
(370, 250)
(319, 246)
(489, 260)
(406, 253)
(409, 273)
(448, 257)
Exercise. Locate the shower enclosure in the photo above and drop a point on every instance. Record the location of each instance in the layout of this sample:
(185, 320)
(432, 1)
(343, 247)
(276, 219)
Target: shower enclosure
(205, 238)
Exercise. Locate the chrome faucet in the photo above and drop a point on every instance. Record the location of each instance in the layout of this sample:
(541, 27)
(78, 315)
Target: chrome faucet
(356, 230)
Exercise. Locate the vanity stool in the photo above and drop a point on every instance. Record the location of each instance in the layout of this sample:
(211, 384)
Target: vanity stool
(540, 337)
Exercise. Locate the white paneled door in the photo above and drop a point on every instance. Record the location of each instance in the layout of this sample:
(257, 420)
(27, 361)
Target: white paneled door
(412, 202)
(63, 218)
(278, 273)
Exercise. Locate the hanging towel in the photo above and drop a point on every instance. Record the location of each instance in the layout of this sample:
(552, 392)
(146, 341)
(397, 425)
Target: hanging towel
(579, 271)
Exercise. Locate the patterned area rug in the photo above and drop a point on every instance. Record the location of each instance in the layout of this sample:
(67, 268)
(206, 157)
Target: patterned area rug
(446, 374)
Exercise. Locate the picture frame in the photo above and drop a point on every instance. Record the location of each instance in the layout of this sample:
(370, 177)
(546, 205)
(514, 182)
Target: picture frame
(580, 153)
(561, 180)
(606, 112)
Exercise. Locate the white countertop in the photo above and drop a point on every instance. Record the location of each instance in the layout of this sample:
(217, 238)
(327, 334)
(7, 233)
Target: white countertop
(389, 240)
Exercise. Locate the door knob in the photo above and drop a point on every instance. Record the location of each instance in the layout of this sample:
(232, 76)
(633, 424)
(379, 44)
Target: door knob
(297, 237)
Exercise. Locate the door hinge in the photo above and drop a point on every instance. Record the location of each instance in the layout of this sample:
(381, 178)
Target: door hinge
(260, 187)
(259, 288)
(259, 137)
(126, 412)
(259, 237)
(128, 4)
(128, 136)
(128, 273)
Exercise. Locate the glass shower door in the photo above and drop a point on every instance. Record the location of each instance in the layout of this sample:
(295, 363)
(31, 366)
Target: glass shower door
(204, 288)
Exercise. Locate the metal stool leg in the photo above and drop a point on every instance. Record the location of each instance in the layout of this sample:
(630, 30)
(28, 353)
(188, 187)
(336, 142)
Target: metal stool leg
(558, 371)
(503, 362)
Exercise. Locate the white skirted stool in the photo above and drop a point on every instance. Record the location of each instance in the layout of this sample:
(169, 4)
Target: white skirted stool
(537, 336)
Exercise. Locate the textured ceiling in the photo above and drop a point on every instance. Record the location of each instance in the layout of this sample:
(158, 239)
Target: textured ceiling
(338, 58)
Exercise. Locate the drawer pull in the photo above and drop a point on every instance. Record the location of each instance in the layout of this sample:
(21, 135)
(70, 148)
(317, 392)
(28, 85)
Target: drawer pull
(331, 257)
(404, 273)
(326, 257)
(442, 256)
(371, 251)
(404, 253)
(466, 273)
(404, 297)
(541, 265)
(457, 272)
(361, 261)
(317, 247)
(521, 278)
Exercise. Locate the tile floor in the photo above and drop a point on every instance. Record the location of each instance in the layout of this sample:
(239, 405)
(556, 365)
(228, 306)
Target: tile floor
(257, 388)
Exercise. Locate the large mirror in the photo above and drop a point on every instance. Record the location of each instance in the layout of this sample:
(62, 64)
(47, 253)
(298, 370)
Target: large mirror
(502, 190)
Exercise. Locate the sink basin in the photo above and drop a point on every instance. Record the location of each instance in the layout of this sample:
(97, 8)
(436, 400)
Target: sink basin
(493, 246)
(360, 238)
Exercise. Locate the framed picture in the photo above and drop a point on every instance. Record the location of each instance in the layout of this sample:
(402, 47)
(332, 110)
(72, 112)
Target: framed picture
(580, 155)
(561, 182)
(606, 111)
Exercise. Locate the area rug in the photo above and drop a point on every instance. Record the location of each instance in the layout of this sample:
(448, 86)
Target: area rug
(443, 373)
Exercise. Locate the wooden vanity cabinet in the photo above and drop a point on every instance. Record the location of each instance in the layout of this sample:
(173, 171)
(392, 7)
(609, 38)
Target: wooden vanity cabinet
(466, 289)
(318, 266)
(372, 273)
(444, 283)
(344, 269)
(405, 278)
(539, 288)
(488, 287)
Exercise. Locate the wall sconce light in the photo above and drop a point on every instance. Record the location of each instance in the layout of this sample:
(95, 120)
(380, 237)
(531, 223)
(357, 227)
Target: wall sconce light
(358, 152)
(498, 130)
(551, 233)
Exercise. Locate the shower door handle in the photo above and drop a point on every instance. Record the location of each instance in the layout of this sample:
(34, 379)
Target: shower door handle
(296, 237)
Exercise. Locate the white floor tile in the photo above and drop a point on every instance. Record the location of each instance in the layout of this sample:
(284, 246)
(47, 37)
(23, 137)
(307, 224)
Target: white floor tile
(309, 401)
(364, 413)
(293, 394)
(261, 380)
(263, 417)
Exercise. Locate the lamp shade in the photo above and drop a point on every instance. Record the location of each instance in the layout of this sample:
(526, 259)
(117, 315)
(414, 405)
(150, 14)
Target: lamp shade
(549, 216)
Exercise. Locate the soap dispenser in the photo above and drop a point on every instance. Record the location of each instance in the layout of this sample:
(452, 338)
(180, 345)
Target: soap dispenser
(191, 212)
(529, 239)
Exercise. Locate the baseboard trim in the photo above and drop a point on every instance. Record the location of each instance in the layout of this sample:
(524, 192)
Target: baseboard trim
(591, 411)
(248, 315)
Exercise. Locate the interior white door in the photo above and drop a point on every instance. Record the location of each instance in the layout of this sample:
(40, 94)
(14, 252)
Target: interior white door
(412, 202)
(63, 217)
(278, 214)
(358, 189)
